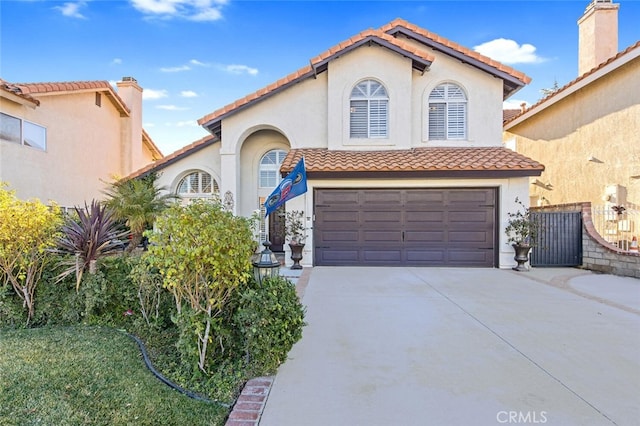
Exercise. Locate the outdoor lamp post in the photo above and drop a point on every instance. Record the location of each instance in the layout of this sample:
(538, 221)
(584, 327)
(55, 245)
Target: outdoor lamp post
(267, 266)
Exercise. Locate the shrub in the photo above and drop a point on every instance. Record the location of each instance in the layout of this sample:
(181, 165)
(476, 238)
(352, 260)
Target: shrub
(203, 253)
(87, 236)
(270, 319)
(28, 230)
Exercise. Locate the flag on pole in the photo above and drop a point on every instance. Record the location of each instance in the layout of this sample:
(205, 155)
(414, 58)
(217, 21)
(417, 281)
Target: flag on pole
(291, 186)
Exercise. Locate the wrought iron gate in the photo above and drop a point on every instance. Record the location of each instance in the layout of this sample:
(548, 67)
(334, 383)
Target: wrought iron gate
(559, 241)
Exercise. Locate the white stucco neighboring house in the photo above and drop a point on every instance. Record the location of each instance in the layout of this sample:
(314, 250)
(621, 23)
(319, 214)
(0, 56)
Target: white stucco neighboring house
(401, 131)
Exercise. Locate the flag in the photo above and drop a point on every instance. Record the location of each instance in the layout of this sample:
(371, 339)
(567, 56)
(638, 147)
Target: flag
(291, 186)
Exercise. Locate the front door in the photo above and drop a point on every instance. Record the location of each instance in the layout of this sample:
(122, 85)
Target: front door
(276, 229)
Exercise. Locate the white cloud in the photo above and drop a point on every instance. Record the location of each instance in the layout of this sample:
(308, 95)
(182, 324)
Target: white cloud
(176, 69)
(171, 108)
(188, 94)
(72, 9)
(116, 61)
(151, 94)
(188, 123)
(240, 69)
(197, 62)
(193, 10)
(509, 52)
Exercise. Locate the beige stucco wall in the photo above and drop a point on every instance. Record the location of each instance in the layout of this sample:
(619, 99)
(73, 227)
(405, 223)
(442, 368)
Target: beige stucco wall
(78, 154)
(602, 120)
(315, 114)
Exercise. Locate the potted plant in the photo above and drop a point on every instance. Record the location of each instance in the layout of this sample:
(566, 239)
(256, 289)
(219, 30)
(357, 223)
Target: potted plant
(521, 231)
(295, 232)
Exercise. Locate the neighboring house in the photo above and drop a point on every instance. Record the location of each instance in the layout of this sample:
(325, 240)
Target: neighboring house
(587, 133)
(66, 141)
(401, 134)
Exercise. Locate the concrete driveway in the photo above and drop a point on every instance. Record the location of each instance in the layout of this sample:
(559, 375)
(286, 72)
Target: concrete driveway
(436, 346)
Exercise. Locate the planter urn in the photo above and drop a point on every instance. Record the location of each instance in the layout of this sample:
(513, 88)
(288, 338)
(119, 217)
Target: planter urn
(296, 254)
(522, 256)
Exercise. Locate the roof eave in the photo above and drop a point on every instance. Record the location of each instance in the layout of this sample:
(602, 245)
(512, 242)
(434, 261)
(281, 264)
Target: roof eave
(511, 83)
(574, 86)
(431, 174)
(20, 99)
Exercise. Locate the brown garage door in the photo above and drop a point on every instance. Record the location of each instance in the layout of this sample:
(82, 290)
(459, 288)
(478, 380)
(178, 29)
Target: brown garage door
(418, 227)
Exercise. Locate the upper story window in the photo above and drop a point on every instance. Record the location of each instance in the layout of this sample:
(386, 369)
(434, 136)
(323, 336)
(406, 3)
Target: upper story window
(369, 110)
(447, 113)
(269, 171)
(13, 129)
(198, 184)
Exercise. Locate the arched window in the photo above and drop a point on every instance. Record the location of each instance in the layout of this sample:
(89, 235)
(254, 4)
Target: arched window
(198, 184)
(369, 110)
(269, 171)
(447, 113)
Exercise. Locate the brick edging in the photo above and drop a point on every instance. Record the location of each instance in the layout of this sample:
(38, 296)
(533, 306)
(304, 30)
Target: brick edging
(249, 405)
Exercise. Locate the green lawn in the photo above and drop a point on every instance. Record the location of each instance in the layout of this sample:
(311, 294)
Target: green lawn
(87, 376)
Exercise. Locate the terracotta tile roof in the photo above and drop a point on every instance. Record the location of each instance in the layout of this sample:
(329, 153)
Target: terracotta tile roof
(574, 82)
(16, 90)
(479, 159)
(71, 86)
(401, 23)
(318, 63)
(174, 156)
(508, 114)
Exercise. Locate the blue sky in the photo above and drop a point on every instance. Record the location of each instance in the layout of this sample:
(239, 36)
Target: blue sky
(195, 56)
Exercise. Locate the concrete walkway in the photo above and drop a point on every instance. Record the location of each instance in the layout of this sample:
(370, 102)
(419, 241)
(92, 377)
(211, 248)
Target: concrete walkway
(432, 346)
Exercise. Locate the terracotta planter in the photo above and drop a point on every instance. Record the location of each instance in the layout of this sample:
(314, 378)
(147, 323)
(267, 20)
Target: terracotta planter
(522, 256)
(296, 255)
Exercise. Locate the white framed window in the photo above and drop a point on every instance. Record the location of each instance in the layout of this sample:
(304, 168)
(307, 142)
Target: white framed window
(16, 130)
(369, 110)
(198, 184)
(269, 169)
(447, 112)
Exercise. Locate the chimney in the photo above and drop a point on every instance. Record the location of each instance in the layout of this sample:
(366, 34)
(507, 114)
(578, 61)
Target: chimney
(131, 130)
(598, 34)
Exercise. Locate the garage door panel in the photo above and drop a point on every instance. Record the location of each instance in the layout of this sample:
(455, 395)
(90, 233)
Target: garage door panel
(474, 237)
(339, 216)
(468, 197)
(468, 257)
(478, 216)
(422, 227)
(376, 216)
(424, 216)
(338, 197)
(424, 237)
(418, 196)
(386, 197)
(426, 257)
(387, 237)
(382, 256)
(339, 237)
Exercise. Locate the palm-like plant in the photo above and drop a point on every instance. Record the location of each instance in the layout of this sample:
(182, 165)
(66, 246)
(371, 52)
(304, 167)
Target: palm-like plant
(137, 202)
(93, 233)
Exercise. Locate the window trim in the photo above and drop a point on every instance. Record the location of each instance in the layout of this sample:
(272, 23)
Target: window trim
(215, 187)
(450, 104)
(377, 125)
(276, 167)
(41, 143)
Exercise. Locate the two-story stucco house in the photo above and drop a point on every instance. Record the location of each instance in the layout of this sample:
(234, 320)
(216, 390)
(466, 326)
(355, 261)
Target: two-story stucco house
(587, 133)
(66, 141)
(401, 134)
